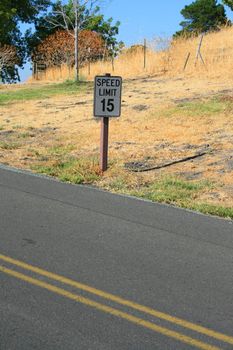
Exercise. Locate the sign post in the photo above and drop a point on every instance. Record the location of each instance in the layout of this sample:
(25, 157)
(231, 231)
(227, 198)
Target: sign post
(107, 103)
(104, 132)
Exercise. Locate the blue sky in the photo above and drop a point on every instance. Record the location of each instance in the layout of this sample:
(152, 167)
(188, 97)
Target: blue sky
(146, 19)
(141, 19)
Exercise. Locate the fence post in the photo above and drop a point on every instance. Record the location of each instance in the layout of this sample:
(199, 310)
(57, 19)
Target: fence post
(145, 49)
(113, 68)
(104, 144)
(186, 61)
(199, 51)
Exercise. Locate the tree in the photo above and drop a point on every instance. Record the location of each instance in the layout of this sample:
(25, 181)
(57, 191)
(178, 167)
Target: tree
(11, 14)
(74, 16)
(202, 16)
(58, 48)
(228, 3)
(8, 60)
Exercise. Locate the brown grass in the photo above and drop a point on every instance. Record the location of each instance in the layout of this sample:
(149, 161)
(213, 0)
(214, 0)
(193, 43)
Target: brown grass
(217, 53)
(163, 119)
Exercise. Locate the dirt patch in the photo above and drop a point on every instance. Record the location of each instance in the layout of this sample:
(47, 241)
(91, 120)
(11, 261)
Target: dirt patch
(140, 108)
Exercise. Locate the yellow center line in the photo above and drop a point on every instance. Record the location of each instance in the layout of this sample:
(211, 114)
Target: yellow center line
(109, 310)
(121, 301)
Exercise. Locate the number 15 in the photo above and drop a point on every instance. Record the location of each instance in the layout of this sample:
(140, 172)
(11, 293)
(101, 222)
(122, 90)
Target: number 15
(109, 106)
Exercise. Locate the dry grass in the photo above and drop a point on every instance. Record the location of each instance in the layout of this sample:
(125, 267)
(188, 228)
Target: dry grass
(165, 117)
(217, 53)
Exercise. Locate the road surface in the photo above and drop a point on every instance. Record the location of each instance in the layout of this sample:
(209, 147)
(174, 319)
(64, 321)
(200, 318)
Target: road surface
(84, 269)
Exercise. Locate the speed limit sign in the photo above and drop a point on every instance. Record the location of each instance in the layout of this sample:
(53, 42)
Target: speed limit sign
(107, 96)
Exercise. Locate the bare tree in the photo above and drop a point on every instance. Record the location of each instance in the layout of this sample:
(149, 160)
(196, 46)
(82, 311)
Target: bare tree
(73, 25)
(8, 58)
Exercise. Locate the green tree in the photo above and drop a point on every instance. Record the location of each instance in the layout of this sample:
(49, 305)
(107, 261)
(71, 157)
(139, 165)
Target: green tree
(202, 16)
(12, 13)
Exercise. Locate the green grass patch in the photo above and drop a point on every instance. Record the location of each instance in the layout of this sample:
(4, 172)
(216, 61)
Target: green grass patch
(60, 150)
(172, 190)
(77, 171)
(9, 145)
(199, 108)
(216, 210)
(183, 194)
(43, 92)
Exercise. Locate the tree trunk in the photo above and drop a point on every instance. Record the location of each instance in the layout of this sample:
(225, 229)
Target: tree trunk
(76, 32)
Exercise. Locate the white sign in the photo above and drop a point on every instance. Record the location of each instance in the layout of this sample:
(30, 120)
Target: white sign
(107, 99)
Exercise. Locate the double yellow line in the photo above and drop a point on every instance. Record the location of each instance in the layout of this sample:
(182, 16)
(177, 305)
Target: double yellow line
(113, 311)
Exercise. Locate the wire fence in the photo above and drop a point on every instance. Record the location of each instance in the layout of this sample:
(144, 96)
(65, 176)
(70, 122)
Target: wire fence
(210, 53)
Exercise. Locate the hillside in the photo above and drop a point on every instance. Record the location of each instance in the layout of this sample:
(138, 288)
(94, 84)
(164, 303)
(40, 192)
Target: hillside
(173, 143)
(216, 51)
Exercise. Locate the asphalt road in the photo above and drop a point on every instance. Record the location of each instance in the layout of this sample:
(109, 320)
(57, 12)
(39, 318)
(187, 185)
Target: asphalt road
(84, 269)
